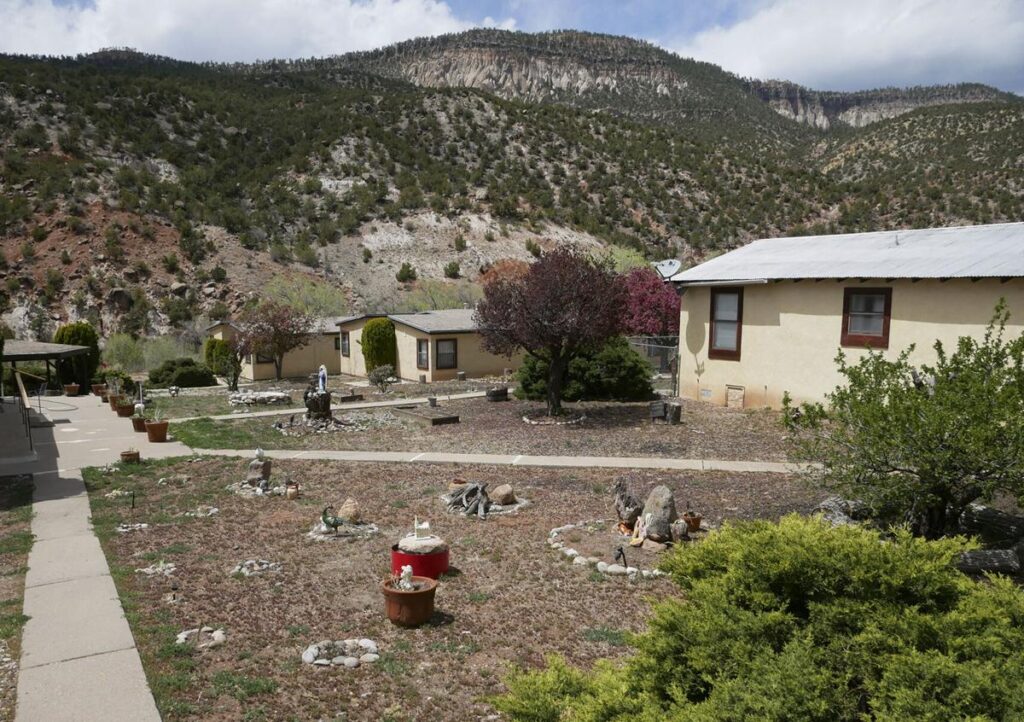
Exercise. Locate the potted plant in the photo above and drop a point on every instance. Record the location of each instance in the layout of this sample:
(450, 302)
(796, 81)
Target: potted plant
(125, 407)
(408, 599)
(71, 389)
(99, 390)
(138, 421)
(131, 456)
(156, 429)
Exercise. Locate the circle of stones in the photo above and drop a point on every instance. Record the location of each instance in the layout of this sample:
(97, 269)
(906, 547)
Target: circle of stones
(578, 560)
(348, 653)
(548, 421)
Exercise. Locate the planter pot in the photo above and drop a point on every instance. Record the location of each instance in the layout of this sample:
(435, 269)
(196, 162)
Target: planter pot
(692, 522)
(409, 608)
(99, 389)
(113, 400)
(71, 389)
(139, 424)
(291, 491)
(432, 401)
(423, 565)
(130, 457)
(157, 431)
(125, 410)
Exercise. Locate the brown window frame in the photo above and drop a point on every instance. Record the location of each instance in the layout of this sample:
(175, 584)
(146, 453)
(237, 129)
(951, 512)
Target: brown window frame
(421, 342)
(726, 354)
(859, 340)
(345, 342)
(455, 354)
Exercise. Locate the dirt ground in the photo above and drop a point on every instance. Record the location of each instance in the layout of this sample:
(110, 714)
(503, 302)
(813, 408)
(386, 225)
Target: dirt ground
(510, 599)
(610, 429)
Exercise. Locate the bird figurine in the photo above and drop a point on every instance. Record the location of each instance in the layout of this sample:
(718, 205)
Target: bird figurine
(259, 453)
(329, 520)
(620, 555)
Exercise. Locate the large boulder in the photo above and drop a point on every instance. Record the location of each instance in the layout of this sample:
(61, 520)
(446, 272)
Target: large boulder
(995, 561)
(503, 495)
(627, 504)
(659, 512)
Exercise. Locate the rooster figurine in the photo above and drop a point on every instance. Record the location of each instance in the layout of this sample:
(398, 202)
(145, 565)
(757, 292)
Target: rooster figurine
(329, 520)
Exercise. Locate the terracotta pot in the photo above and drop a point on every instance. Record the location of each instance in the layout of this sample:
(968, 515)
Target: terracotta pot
(113, 400)
(157, 431)
(130, 457)
(99, 389)
(291, 491)
(409, 608)
(692, 522)
(71, 389)
(125, 409)
(423, 565)
(139, 424)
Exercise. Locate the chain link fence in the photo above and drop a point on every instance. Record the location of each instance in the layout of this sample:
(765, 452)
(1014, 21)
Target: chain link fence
(662, 353)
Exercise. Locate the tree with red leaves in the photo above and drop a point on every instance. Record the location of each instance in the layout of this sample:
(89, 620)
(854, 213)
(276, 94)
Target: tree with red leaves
(653, 305)
(565, 303)
(273, 329)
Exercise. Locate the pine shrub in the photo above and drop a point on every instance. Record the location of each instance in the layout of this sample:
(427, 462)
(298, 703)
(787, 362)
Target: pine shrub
(615, 372)
(379, 344)
(78, 369)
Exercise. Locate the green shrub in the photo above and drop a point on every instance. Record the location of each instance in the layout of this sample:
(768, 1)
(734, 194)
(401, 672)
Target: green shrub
(125, 352)
(111, 376)
(798, 620)
(379, 347)
(406, 273)
(218, 274)
(452, 270)
(615, 372)
(221, 359)
(160, 349)
(382, 377)
(78, 369)
(182, 372)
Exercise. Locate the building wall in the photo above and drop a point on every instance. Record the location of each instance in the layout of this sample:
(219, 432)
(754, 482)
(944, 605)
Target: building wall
(300, 362)
(354, 364)
(791, 334)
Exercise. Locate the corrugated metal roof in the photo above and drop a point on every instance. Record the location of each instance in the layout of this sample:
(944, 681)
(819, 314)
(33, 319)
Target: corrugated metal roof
(995, 250)
(454, 320)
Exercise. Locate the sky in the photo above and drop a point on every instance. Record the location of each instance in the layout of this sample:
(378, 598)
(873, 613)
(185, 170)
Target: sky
(823, 44)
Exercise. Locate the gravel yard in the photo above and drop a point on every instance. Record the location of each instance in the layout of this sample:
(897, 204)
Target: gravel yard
(509, 599)
(610, 429)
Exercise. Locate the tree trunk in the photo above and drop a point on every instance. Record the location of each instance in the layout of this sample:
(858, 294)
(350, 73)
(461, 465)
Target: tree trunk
(938, 520)
(556, 379)
(278, 363)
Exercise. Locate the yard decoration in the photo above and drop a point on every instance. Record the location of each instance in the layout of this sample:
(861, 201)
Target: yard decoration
(259, 470)
(425, 553)
(408, 599)
(139, 423)
(565, 302)
(71, 389)
(130, 456)
(469, 499)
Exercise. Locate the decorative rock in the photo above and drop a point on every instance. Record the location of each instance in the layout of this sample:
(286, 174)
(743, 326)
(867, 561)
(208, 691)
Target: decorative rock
(351, 662)
(369, 658)
(592, 560)
(339, 660)
(309, 655)
(659, 513)
(581, 561)
(653, 546)
(259, 470)
(322, 663)
(351, 647)
(369, 645)
(256, 566)
(615, 570)
(160, 568)
(680, 531)
(996, 561)
(124, 528)
(602, 567)
(571, 553)
(503, 495)
(350, 512)
(627, 505)
(423, 545)
(203, 511)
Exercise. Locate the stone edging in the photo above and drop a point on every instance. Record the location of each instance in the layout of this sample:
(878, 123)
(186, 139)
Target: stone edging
(568, 422)
(577, 559)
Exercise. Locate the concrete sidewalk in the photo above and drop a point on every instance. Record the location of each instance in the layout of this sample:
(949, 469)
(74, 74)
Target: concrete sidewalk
(607, 462)
(78, 658)
(354, 406)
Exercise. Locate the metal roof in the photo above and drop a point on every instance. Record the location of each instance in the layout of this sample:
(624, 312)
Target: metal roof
(995, 250)
(454, 320)
(38, 351)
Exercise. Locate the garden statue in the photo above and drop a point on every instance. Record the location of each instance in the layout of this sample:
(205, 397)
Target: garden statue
(317, 398)
(322, 379)
(259, 471)
(405, 578)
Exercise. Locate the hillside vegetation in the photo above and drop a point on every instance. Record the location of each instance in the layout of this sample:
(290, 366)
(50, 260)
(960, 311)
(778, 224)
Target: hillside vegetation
(145, 193)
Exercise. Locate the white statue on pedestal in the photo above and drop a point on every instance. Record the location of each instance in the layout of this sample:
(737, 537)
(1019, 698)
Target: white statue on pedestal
(322, 378)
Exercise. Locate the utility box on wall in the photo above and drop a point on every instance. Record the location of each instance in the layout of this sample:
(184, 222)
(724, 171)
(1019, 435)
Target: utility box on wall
(734, 397)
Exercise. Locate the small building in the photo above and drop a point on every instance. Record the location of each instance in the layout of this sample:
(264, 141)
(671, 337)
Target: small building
(433, 344)
(322, 348)
(770, 317)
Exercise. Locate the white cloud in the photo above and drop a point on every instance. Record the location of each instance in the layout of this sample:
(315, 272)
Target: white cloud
(842, 45)
(224, 30)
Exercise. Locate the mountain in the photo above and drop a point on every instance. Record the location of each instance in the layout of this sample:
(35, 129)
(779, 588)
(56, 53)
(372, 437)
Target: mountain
(148, 194)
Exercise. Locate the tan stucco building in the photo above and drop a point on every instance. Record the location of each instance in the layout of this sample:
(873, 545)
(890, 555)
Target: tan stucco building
(436, 345)
(770, 317)
(322, 348)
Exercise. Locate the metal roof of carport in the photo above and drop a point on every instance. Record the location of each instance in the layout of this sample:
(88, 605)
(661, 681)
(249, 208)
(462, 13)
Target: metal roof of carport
(995, 250)
(17, 351)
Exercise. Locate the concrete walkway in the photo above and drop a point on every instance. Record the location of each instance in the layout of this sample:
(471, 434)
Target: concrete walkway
(354, 406)
(78, 659)
(606, 462)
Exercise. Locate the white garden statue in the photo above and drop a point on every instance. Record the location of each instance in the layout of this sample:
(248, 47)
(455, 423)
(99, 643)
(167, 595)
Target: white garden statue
(322, 378)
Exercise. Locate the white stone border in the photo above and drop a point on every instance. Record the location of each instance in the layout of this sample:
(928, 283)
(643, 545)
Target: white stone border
(568, 422)
(578, 560)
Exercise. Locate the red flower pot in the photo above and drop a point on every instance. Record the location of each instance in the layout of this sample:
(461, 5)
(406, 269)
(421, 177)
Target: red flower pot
(124, 410)
(157, 431)
(139, 424)
(423, 565)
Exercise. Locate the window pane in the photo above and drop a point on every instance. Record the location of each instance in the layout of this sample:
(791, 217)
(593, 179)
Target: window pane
(867, 303)
(446, 354)
(725, 335)
(421, 353)
(864, 324)
(727, 306)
